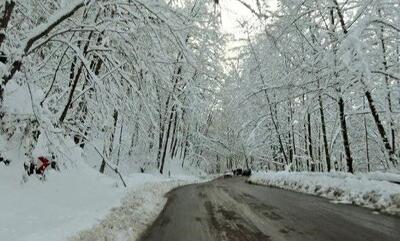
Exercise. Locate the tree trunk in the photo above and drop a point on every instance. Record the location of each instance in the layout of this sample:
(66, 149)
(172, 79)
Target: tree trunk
(310, 145)
(343, 124)
(110, 148)
(75, 79)
(387, 82)
(5, 19)
(366, 141)
(71, 94)
(120, 142)
(381, 129)
(345, 137)
(164, 153)
(290, 144)
(306, 146)
(174, 138)
(324, 136)
(163, 119)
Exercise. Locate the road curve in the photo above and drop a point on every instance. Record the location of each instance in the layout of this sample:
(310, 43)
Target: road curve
(231, 209)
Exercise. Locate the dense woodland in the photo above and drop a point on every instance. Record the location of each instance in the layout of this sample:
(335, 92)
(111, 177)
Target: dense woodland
(319, 86)
(145, 83)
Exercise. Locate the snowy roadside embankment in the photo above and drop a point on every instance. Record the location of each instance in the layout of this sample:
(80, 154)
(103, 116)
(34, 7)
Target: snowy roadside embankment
(77, 199)
(340, 187)
(46, 211)
(139, 208)
(382, 176)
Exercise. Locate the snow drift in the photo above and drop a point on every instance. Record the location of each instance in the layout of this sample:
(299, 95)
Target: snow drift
(341, 187)
(139, 208)
(78, 198)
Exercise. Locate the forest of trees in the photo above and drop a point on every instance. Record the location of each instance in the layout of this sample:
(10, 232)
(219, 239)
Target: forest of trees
(318, 86)
(95, 69)
(314, 86)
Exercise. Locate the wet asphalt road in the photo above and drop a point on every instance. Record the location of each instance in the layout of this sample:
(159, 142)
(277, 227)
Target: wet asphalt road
(231, 209)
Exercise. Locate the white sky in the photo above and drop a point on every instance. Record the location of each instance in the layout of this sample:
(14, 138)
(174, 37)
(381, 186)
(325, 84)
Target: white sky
(233, 10)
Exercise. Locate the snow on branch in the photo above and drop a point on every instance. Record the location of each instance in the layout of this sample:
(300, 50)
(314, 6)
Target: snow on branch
(52, 22)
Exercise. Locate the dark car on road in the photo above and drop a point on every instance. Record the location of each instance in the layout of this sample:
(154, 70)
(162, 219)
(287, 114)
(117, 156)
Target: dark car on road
(241, 172)
(246, 173)
(238, 172)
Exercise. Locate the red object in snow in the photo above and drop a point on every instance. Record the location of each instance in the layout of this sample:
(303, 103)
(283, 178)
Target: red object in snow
(43, 164)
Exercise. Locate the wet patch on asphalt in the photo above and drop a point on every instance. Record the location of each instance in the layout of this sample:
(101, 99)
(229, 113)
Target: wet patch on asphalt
(227, 214)
(230, 225)
(265, 210)
(213, 220)
(202, 195)
(164, 221)
(272, 215)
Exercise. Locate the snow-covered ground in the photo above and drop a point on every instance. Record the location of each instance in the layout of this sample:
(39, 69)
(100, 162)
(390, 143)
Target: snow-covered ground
(382, 176)
(78, 199)
(362, 189)
(139, 208)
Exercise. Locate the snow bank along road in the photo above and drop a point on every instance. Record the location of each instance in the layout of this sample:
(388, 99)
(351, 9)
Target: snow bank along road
(231, 209)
